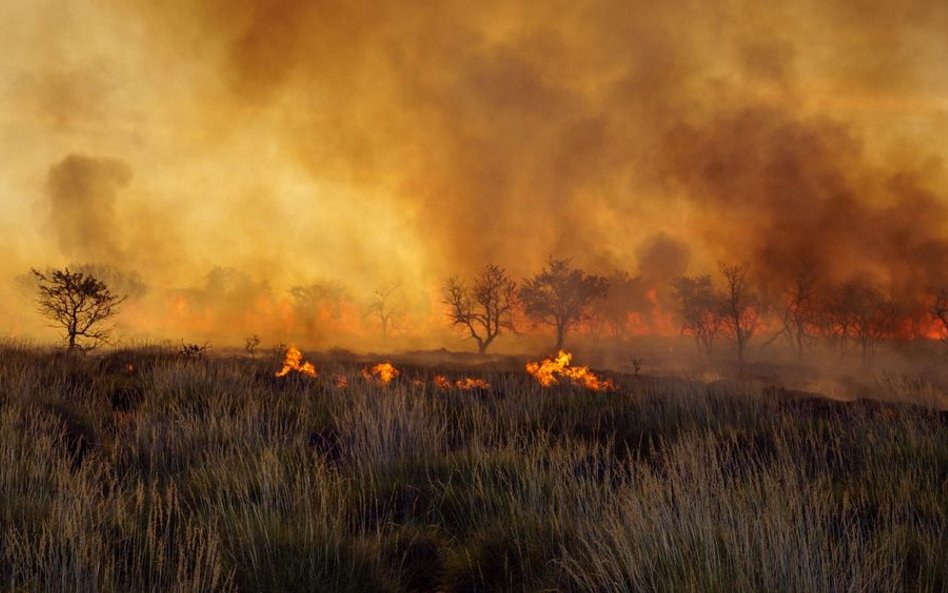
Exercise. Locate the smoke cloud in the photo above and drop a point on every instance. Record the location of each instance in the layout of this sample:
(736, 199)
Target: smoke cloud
(369, 143)
(82, 194)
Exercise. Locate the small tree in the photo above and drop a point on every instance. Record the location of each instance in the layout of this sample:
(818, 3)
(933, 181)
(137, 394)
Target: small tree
(561, 296)
(801, 311)
(485, 308)
(699, 308)
(938, 307)
(741, 307)
(78, 303)
(381, 307)
(250, 345)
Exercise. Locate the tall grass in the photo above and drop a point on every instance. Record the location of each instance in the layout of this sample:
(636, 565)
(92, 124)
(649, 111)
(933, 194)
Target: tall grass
(212, 475)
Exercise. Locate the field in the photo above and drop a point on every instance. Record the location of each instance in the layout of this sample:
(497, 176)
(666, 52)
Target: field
(142, 470)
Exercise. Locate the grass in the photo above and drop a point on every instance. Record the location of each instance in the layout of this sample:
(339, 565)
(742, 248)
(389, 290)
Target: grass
(214, 476)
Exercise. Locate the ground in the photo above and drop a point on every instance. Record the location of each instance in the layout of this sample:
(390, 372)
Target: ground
(141, 470)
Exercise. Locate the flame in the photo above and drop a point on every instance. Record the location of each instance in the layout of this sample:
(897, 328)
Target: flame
(341, 381)
(383, 372)
(294, 362)
(466, 384)
(548, 372)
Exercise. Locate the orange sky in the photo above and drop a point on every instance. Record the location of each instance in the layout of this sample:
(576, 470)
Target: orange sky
(378, 142)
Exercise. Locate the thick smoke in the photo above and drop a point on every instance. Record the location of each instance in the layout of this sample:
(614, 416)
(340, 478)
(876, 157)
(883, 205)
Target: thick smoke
(381, 142)
(82, 193)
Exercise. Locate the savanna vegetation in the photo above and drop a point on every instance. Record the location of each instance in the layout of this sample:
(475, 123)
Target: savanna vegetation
(148, 470)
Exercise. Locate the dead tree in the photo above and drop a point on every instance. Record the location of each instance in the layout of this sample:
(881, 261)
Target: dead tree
(740, 308)
(383, 310)
(485, 308)
(699, 308)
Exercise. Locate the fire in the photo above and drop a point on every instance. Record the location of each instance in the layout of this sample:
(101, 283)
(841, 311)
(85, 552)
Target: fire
(294, 362)
(466, 384)
(383, 372)
(341, 381)
(548, 372)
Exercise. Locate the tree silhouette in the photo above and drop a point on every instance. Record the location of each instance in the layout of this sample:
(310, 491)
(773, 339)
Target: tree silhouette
(485, 308)
(561, 296)
(699, 308)
(383, 310)
(741, 307)
(78, 303)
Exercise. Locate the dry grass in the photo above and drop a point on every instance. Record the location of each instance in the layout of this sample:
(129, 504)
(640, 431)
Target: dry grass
(212, 475)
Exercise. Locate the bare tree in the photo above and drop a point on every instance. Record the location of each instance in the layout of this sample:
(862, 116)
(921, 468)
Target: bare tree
(741, 307)
(250, 345)
(938, 308)
(79, 304)
(561, 296)
(485, 308)
(699, 307)
(626, 296)
(382, 308)
(801, 311)
(861, 313)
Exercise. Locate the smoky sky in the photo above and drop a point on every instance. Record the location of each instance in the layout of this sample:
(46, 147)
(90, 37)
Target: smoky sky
(377, 142)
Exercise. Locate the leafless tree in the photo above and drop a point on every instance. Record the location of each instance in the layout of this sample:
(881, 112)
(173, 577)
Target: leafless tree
(381, 308)
(863, 314)
(625, 297)
(741, 306)
(485, 308)
(79, 304)
(699, 308)
(801, 310)
(250, 345)
(561, 296)
(938, 308)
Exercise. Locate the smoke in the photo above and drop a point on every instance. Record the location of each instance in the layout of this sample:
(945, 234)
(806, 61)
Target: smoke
(662, 258)
(407, 141)
(82, 194)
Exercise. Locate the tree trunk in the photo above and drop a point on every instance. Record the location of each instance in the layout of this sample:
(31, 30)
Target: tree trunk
(560, 335)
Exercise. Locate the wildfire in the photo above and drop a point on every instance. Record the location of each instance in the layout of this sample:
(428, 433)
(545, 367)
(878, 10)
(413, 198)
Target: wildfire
(550, 370)
(294, 362)
(341, 381)
(383, 372)
(466, 384)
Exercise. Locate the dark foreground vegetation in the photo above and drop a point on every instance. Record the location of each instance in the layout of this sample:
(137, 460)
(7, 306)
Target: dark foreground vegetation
(146, 471)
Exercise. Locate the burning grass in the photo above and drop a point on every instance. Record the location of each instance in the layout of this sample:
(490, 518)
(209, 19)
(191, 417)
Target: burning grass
(217, 478)
(294, 362)
(550, 371)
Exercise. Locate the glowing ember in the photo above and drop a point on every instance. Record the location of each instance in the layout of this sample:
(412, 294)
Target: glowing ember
(341, 381)
(294, 362)
(468, 383)
(550, 370)
(383, 372)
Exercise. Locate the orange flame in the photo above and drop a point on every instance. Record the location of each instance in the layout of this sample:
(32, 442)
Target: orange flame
(294, 362)
(383, 372)
(341, 381)
(548, 372)
(466, 384)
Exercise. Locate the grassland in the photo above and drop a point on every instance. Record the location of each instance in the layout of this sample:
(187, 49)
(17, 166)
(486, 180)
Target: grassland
(142, 471)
